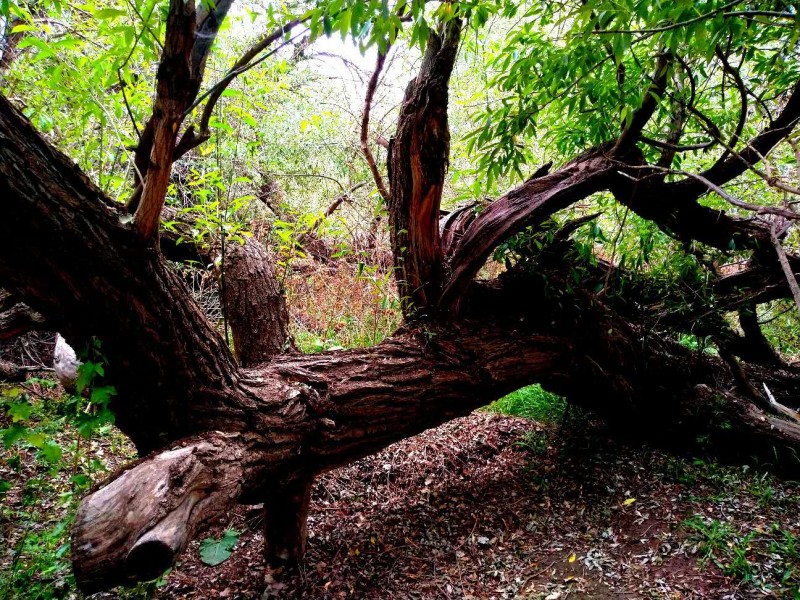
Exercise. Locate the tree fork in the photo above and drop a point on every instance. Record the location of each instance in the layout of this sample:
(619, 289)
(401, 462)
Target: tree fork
(232, 433)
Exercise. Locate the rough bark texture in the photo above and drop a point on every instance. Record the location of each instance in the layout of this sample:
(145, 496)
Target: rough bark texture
(65, 250)
(17, 318)
(221, 433)
(418, 161)
(254, 303)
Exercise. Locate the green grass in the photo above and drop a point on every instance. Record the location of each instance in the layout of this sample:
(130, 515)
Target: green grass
(532, 402)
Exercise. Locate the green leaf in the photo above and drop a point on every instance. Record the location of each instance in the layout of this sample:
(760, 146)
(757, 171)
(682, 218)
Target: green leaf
(109, 13)
(20, 411)
(36, 439)
(44, 50)
(13, 433)
(51, 452)
(214, 552)
(4, 487)
(102, 395)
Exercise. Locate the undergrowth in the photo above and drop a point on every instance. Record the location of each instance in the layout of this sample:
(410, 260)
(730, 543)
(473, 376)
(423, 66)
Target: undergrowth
(532, 402)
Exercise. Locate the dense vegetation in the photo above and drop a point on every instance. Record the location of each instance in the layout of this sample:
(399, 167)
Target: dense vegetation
(294, 234)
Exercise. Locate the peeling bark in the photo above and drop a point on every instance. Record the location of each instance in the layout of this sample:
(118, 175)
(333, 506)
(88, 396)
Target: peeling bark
(418, 162)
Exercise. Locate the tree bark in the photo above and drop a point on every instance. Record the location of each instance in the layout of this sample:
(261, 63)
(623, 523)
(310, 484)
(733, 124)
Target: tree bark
(418, 162)
(254, 303)
(241, 434)
(286, 521)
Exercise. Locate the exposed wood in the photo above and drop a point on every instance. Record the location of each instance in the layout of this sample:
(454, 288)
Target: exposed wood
(161, 502)
(260, 433)
(418, 161)
(176, 88)
(65, 364)
(788, 272)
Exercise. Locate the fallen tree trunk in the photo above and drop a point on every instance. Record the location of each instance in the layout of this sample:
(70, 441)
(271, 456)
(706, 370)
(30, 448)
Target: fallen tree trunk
(322, 411)
(262, 432)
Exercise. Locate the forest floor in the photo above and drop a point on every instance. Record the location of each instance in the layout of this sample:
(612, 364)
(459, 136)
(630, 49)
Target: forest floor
(489, 506)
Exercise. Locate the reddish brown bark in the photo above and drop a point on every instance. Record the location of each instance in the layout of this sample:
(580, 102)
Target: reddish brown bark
(535, 200)
(418, 161)
(222, 433)
(176, 89)
(298, 415)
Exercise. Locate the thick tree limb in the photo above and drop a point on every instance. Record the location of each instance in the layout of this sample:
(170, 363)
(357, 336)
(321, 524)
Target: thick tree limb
(530, 203)
(418, 162)
(176, 88)
(56, 225)
(161, 502)
(254, 303)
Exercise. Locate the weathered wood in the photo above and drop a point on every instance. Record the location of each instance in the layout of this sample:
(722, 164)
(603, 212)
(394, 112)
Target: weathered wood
(247, 433)
(161, 502)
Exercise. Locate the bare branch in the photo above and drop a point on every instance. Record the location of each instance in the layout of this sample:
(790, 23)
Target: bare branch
(371, 87)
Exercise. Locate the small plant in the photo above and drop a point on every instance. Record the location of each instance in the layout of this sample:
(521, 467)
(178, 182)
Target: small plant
(532, 402)
(762, 489)
(216, 551)
(711, 537)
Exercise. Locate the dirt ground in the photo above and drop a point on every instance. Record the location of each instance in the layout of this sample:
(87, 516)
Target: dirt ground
(499, 507)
